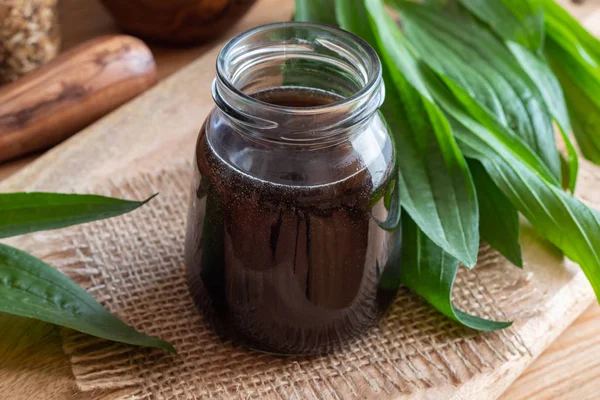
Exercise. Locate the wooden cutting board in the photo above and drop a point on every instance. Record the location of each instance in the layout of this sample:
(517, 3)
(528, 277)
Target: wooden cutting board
(161, 127)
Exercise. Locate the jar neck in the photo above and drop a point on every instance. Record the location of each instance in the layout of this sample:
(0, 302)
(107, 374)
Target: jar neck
(294, 56)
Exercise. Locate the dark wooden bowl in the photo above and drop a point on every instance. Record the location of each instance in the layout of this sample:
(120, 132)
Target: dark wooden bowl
(177, 21)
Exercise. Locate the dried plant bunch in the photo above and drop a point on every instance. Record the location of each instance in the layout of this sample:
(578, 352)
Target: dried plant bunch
(29, 36)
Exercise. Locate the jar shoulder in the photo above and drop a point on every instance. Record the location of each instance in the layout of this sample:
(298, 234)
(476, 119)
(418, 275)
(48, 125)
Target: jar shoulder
(366, 154)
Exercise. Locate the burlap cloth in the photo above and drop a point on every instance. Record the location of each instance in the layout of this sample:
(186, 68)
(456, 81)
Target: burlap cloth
(134, 266)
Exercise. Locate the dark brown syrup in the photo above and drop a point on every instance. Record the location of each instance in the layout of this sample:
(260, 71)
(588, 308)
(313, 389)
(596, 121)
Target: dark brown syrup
(288, 268)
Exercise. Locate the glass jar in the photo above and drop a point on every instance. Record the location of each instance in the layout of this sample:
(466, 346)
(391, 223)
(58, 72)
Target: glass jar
(294, 166)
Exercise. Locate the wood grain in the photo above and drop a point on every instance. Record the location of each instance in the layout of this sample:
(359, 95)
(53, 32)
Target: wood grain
(569, 369)
(84, 20)
(72, 91)
(21, 369)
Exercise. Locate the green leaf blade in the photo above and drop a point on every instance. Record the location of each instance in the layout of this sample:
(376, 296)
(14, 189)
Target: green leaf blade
(583, 109)
(31, 288)
(574, 56)
(549, 86)
(351, 16)
(520, 21)
(514, 21)
(495, 133)
(320, 11)
(498, 218)
(430, 272)
(487, 73)
(562, 219)
(22, 213)
(435, 184)
(557, 17)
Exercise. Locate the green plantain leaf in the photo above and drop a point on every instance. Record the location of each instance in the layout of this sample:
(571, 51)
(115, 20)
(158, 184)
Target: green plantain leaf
(436, 3)
(31, 288)
(562, 219)
(580, 88)
(574, 55)
(547, 83)
(498, 218)
(435, 185)
(30, 212)
(540, 72)
(519, 21)
(585, 113)
(321, 11)
(352, 16)
(501, 16)
(430, 272)
(571, 30)
(484, 68)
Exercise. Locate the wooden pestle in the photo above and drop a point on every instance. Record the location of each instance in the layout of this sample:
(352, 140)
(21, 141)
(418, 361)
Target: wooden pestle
(78, 87)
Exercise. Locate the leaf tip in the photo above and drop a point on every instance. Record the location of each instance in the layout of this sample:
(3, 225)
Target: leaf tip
(517, 262)
(164, 345)
(470, 262)
(169, 347)
(501, 325)
(149, 199)
(478, 323)
(494, 326)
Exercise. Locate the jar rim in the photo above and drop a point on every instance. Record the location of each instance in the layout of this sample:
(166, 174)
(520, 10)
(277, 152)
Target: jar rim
(374, 77)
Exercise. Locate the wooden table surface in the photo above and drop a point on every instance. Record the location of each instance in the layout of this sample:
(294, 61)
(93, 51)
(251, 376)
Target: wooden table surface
(31, 357)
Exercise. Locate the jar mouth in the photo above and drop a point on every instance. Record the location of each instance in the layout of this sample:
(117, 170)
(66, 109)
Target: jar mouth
(298, 55)
(372, 72)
